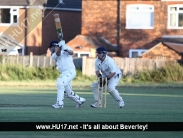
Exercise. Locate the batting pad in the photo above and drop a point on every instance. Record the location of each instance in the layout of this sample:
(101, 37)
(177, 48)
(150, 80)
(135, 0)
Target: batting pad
(60, 91)
(72, 95)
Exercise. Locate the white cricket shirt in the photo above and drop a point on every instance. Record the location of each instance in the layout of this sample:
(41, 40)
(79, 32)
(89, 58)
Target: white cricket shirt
(64, 61)
(107, 67)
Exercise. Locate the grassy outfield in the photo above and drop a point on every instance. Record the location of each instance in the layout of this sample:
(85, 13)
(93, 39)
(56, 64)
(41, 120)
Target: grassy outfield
(142, 104)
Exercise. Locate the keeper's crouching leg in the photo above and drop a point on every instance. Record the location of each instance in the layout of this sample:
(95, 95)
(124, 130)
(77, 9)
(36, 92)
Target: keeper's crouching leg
(115, 94)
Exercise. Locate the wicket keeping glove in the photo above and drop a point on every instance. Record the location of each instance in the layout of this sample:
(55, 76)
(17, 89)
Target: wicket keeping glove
(100, 79)
(99, 75)
(104, 82)
(100, 82)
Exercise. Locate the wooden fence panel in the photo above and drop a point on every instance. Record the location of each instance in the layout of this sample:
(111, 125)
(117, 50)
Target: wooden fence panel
(88, 67)
(136, 65)
(127, 65)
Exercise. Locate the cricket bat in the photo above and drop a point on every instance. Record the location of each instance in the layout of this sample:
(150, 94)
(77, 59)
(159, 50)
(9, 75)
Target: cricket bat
(58, 26)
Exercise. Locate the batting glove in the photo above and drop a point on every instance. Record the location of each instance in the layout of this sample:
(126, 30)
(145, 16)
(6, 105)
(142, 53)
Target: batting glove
(61, 43)
(102, 83)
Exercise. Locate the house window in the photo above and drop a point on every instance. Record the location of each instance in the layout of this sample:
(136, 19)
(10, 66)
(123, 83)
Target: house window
(175, 16)
(140, 16)
(135, 53)
(8, 15)
(171, 0)
(81, 54)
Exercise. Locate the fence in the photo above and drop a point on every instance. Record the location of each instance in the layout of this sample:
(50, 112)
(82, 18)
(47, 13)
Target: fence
(36, 61)
(29, 61)
(127, 65)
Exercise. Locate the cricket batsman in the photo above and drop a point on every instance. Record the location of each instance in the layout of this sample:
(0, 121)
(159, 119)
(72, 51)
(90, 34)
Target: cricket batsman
(105, 67)
(62, 54)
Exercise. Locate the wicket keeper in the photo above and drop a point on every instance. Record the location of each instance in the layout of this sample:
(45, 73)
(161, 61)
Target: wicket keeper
(105, 67)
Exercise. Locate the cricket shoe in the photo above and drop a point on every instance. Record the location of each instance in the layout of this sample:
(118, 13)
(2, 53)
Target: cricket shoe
(82, 101)
(57, 105)
(121, 104)
(95, 105)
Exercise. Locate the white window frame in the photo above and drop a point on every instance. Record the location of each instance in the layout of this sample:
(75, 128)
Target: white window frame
(171, 0)
(139, 8)
(139, 51)
(13, 11)
(172, 36)
(79, 53)
(176, 16)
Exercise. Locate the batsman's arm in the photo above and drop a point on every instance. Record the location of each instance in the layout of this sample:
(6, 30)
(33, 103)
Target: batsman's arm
(64, 47)
(58, 51)
(70, 52)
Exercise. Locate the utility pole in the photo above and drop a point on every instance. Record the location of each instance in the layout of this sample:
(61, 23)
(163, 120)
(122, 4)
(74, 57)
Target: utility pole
(119, 26)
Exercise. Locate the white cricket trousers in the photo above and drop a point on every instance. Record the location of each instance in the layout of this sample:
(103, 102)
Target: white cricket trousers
(111, 88)
(63, 81)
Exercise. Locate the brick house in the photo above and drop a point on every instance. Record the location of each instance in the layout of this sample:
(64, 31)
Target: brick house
(87, 45)
(135, 26)
(165, 50)
(31, 22)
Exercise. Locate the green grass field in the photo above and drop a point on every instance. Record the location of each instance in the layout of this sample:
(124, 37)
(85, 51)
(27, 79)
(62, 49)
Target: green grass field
(142, 104)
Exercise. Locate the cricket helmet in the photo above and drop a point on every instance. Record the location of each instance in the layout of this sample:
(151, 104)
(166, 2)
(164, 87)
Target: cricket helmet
(53, 43)
(101, 50)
